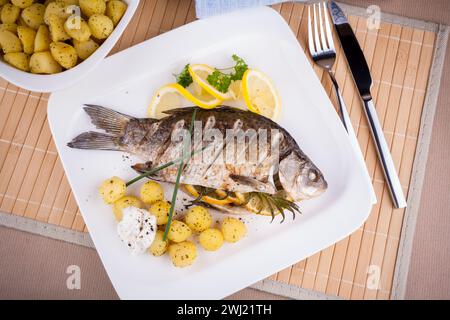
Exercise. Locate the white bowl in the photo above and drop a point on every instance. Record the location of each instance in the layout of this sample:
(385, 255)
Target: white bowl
(54, 82)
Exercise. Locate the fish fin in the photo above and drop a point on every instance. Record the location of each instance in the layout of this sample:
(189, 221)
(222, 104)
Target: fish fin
(260, 186)
(142, 167)
(109, 120)
(179, 110)
(96, 141)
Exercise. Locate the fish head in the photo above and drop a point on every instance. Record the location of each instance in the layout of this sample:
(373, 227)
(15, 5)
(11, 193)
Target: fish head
(300, 178)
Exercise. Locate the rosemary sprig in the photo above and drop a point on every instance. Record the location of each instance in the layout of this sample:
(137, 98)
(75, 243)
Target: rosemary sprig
(177, 181)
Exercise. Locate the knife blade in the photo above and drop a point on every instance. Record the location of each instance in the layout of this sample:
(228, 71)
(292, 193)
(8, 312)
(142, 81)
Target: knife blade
(363, 80)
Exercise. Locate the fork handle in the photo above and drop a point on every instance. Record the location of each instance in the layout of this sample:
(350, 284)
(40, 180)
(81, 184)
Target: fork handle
(352, 135)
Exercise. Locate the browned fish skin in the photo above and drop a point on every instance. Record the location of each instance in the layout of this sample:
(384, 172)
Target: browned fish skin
(151, 140)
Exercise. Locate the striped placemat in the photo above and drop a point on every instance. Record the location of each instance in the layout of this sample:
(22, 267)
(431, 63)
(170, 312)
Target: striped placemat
(405, 57)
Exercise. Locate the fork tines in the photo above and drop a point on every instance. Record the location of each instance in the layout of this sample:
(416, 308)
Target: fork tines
(321, 42)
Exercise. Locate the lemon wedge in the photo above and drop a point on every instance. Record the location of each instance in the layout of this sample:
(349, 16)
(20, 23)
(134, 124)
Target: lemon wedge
(260, 94)
(200, 73)
(171, 97)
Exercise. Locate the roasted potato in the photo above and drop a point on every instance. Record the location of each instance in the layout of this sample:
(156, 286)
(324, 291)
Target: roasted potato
(179, 231)
(115, 10)
(85, 49)
(198, 218)
(112, 189)
(160, 209)
(57, 8)
(9, 42)
(70, 2)
(182, 254)
(64, 54)
(3, 2)
(101, 26)
(27, 37)
(42, 40)
(43, 63)
(151, 191)
(211, 239)
(233, 229)
(56, 27)
(34, 15)
(77, 28)
(22, 4)
(125, 202)
(91, 7)
(159, 246)
(10, 13)
(9, 26)
(19, 60)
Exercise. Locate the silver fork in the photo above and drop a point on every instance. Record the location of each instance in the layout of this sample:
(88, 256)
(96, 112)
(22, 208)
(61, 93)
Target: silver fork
(321, 48)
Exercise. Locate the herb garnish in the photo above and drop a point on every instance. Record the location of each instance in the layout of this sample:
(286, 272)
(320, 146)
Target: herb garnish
(184, 78)
(221, 81)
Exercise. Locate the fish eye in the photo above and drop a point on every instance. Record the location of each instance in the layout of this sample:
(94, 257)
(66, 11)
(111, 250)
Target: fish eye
(313, 175)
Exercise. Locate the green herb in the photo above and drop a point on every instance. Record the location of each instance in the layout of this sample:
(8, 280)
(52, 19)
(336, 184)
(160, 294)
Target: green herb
(184, 78)
(221, 81)
(177, 181)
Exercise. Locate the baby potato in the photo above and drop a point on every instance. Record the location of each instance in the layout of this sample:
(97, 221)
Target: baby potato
(112, 189)
(91, 7)
(64, 54)
(85, 48)
(9, 26)
(57, 8)
(22, 4)
(211, 239)
(115, 10)
(198, 218)
(159, 246)
(3, 2)
(101, 26)
(77, 28)
(9, 42)
(179, 231)
(34, 15)
(233, 229)
(56, 27)
(43, 63)
(182, 254)
(70, 2)
(10, 13)
(160, 209)
(27, 37)
(125, 202)
(19, 60)
(151, 191)
(42, 40)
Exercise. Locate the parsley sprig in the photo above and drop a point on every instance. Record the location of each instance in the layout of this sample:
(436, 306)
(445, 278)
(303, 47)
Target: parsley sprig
(184, 78)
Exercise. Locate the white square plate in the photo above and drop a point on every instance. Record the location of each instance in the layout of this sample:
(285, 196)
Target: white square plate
(126, 82)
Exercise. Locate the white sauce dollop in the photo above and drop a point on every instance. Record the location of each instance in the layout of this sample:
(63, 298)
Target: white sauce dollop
(137, 229)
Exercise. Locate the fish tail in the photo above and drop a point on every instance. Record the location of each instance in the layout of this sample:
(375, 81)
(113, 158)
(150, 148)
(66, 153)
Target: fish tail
(96, 141)
(109, 120)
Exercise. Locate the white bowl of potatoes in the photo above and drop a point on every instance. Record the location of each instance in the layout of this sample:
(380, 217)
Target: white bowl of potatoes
(47, 45)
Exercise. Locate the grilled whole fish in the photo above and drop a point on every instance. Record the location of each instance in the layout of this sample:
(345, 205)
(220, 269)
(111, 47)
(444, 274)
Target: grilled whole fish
(280, 166)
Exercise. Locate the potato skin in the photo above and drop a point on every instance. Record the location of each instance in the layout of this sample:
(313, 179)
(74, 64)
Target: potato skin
(42, 40)
(198, 218)
(159, 246)
(56, 27)
(233, 229)
(85, 49)
(101, 26)
(27, 37)
(182, 254)
(57, 8)
(160, 209)
(34, 15)
(22, 4)
(112, 189)
(10, 13)
(64, 54)
(9, 26)
(151, 191)
(43, 63)
(83, 33)
(115, 10)
(18, 60)
(211, 239)
(91, 7)
(9, 42)
(179, 231)
(125, 202)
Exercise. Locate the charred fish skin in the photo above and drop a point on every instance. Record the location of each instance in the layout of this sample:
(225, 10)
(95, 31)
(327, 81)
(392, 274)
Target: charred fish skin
(152, 140)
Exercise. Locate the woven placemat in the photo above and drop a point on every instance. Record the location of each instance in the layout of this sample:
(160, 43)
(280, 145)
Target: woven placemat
(406, 59)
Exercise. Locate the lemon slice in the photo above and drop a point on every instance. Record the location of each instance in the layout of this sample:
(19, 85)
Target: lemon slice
(200, 73)
(257, 205)
(208, 199)
(236, 198)
(260, 94)
(170, 97)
